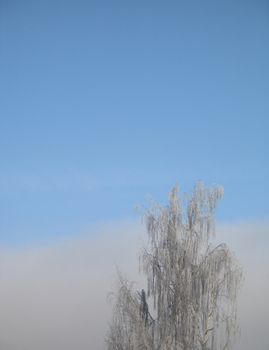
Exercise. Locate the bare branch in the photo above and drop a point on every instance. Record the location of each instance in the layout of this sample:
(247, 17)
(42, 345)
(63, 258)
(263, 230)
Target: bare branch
(192, 286)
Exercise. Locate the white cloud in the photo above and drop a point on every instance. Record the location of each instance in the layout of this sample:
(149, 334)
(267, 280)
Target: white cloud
(55, 297)
(50, 181)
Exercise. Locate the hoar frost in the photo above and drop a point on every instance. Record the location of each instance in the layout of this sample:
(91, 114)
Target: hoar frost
(191, 284)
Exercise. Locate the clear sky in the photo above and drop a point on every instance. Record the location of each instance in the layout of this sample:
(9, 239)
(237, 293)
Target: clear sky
(103, 103)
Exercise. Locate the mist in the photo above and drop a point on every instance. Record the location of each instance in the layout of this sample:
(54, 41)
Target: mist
(56, 297)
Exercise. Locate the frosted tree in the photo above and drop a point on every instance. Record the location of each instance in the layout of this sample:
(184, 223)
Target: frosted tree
(190, 299)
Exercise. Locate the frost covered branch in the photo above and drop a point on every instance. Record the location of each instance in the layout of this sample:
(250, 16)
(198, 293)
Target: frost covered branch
(191, 285)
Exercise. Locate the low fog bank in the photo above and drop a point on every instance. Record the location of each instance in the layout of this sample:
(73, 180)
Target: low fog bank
(55, 297)
(250, 243)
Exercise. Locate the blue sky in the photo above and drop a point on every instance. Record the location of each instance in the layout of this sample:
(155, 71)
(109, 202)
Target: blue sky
(103, 103)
